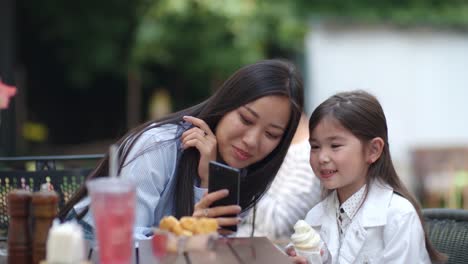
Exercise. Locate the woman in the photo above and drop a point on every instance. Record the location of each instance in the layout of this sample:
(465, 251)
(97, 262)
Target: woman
(248, 123)
(294, 191)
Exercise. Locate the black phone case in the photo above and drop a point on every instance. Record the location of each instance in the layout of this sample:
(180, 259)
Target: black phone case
(225, 177)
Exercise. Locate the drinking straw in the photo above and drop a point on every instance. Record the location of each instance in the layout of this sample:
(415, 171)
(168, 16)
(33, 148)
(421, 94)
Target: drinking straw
(113, 160)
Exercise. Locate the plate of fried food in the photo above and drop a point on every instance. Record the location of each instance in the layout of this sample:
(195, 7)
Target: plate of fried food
(187, 234)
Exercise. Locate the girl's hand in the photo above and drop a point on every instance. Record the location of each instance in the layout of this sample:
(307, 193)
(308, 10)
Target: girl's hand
(202, 209)
(294, 257)
(201, 137)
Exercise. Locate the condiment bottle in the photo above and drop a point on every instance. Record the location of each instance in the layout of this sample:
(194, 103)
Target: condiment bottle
(19, 227)
(45, 206)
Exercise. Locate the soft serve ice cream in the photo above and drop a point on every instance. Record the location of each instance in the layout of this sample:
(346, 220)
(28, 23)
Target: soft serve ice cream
(306, 242)
(305, 237)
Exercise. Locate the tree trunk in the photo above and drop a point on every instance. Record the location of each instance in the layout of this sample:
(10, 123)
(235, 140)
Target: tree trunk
(133, 100)
(7, 57)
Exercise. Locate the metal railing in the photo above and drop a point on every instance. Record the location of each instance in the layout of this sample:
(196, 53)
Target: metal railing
(48, 162)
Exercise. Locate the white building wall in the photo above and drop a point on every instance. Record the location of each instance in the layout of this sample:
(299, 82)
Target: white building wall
(419, 76)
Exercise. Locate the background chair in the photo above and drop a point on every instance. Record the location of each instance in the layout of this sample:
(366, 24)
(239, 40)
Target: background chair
(63, 174)
(448, 231)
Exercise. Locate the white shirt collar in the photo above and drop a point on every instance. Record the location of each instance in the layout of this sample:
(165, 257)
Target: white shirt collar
(346, 212)
(352, 204)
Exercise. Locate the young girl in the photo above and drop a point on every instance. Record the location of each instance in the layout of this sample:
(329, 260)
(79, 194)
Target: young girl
(248, 123)
(368, 216)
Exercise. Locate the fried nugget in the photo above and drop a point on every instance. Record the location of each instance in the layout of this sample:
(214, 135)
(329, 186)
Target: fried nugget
(188, 223)
(206, 226)
(168, 223)
(178, 230)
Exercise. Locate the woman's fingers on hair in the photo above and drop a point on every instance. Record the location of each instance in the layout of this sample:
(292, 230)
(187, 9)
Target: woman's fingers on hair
(203, 147)
(194, 134)
(199, 123)
(207, 200)
(188, 143)
(195, 137)
(202, 138)
(194, 131)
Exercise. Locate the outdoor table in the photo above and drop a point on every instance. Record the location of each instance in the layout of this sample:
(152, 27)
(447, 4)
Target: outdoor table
(226, 250)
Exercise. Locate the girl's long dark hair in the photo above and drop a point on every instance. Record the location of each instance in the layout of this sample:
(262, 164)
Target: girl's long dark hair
(268, 77)
(361, 114)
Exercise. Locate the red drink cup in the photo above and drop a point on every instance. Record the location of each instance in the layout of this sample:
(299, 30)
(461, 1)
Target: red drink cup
(113, 208)
(160, 240)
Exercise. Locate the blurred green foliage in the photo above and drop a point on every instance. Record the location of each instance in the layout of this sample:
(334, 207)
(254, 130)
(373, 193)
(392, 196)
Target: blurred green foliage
(190, 46)
(86, 36)
(215, 35)
(202, 42)
(438, 13)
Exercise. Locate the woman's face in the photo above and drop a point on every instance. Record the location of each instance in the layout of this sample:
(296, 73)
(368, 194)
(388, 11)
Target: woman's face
(251, 132)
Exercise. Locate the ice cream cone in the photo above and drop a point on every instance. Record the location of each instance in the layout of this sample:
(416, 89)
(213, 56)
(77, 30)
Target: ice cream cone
(307, 242)
(312, 255)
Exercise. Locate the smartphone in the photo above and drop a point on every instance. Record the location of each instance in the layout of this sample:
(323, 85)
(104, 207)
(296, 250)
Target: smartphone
(222, 176)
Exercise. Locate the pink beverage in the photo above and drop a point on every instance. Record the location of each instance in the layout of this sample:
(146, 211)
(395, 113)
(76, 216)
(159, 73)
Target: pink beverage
(160, 241)
(113, 208)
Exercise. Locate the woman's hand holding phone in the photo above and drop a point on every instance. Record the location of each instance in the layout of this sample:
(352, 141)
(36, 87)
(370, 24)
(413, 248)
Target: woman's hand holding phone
(201, 137)
(203, 209)
(222, 177)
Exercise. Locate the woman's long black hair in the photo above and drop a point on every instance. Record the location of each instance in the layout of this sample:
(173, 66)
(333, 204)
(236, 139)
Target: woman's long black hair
(268, 77)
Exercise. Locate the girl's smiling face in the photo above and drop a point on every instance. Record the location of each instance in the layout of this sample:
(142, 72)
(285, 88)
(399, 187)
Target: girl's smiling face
(338, 158)
(249, 133)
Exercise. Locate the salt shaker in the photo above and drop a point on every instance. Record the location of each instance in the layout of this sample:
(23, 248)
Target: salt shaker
(45, 206)
(65, 244)
(19, 228)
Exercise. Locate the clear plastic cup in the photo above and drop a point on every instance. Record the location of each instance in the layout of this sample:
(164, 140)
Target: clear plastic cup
(113, 209)
(313, 255)
(319, 255)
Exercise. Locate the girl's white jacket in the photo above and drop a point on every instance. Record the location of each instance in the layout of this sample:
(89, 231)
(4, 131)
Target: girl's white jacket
(386, 229)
